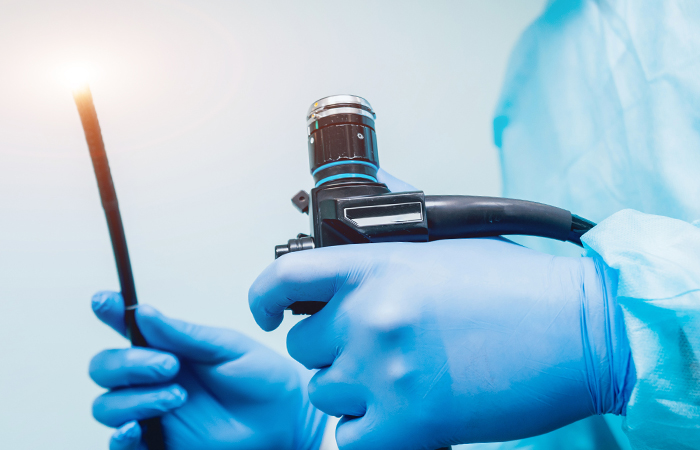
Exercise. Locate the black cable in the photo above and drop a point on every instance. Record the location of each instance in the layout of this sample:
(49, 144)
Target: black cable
(464, 216)
(152, 430)
(579, 226)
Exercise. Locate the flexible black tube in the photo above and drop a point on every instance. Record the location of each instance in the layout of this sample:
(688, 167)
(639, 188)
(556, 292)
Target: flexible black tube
(464, 216)
(152, 430)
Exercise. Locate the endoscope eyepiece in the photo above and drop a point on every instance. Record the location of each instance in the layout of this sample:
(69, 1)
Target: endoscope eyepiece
(342, 140)
(339, 104)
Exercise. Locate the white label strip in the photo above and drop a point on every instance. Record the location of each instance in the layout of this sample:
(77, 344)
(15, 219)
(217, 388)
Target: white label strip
(387, 220)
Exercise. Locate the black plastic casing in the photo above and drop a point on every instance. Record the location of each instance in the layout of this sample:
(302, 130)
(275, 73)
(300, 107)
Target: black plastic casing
(342, 138)
(350, 212)
(357, 212)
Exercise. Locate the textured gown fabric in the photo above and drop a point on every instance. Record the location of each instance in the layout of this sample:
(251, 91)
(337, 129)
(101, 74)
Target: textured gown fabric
(656, 260)
(600, 114)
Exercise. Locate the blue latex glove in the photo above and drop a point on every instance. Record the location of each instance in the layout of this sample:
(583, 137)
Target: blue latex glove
(214, 388)
(423, 345)
(600, 112)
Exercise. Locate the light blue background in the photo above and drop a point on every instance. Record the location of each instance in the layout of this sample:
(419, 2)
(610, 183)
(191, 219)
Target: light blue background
(202, 106)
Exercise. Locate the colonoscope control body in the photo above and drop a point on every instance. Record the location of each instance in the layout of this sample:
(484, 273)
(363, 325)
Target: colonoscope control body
(348, 205)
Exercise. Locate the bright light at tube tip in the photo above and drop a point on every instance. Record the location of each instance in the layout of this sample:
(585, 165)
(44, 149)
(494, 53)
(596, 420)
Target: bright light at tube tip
(77, 77)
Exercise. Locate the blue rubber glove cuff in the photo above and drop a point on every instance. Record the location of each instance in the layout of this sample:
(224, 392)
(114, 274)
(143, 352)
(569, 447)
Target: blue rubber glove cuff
(611, 372)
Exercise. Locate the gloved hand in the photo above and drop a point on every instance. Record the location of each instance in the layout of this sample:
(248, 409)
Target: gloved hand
(214, 388)
(427, 344)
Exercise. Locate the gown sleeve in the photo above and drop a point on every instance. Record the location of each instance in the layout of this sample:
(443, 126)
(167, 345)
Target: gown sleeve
(656, 262)
(600, 115)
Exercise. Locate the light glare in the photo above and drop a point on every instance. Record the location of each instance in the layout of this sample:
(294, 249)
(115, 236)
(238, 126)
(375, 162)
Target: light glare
(77, 76)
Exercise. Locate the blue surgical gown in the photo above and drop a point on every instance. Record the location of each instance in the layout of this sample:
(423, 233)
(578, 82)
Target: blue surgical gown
(600, 114)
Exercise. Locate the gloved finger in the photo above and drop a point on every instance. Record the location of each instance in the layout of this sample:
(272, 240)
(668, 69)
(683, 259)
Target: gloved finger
(125, 405)
(196, 342)
(108, 306)
(313, 341)
(127, 437)
(200, 343)
(312, 275)
(351, 430)
(336, 393)
(393, 183)
(132, 366)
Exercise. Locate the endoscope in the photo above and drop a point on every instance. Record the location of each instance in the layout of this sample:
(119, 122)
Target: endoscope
(152, 429)
(348, 205)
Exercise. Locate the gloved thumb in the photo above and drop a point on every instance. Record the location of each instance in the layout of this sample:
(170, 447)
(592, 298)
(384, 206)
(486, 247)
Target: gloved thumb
(199, 343)
(108, 306)
(305, 276)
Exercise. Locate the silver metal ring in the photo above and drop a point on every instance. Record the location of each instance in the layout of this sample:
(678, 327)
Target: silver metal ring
(331, 101)
(333, 111)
